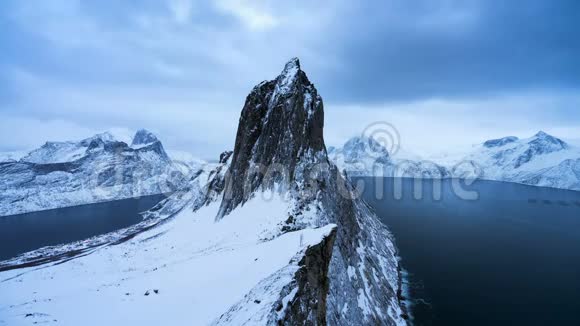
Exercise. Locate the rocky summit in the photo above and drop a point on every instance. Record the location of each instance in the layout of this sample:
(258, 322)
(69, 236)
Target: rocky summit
(281, 130)
(280, 126)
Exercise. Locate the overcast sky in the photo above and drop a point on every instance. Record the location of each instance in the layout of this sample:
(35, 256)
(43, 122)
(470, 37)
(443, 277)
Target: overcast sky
(444, 73)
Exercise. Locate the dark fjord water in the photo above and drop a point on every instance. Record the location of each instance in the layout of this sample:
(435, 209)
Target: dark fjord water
(512, 257)
(26, 232)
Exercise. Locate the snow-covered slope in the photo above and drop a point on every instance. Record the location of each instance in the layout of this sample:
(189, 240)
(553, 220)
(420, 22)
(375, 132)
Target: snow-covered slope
(364, 156)
(541, 160)
(187, 272)
(239, 246)
(98, 168)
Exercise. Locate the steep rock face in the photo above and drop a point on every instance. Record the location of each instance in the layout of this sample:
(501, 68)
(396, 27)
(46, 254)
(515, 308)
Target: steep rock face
(98, 168)
(300, 299)
(312, 289)
(143, 137)
(280, 125)
(281, 128)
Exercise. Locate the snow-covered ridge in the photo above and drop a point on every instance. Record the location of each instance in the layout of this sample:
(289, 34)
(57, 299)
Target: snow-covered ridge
(98, 168)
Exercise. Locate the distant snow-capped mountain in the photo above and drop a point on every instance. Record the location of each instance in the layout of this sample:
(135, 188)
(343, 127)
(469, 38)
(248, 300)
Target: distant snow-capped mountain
(364, 156)
(541, 160)
(99, 168)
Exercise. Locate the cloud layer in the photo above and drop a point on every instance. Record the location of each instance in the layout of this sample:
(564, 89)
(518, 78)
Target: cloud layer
(462, 70)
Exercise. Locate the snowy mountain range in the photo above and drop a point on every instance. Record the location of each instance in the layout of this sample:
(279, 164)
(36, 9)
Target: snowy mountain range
(99, 168)
(273, 234)
(541, 160)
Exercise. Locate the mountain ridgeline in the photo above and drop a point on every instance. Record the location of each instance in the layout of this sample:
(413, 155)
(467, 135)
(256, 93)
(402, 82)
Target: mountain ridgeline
(541, 160)
(98, 168)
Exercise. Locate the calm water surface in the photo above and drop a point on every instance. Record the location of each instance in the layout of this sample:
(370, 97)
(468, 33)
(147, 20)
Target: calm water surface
(512, 257)
(26, 232)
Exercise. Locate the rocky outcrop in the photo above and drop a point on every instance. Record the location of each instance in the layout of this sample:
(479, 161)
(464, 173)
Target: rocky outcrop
(143, 137)
(279, 145)
(280, 125)
(311, 286)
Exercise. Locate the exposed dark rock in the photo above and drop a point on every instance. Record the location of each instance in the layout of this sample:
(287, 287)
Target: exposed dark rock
(309, 305)
(225, 156)
(281, 129)
(280, 125)
(143, 137)
(500, 142)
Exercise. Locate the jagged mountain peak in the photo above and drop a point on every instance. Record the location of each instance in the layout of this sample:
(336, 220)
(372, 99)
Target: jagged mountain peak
(291, 68)
(290, 72)
(280, 147)
(293, 62)
(549, 138)
(545, 143)
(292, 79)
(281, 124)
(143, 137)
(542, 134)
